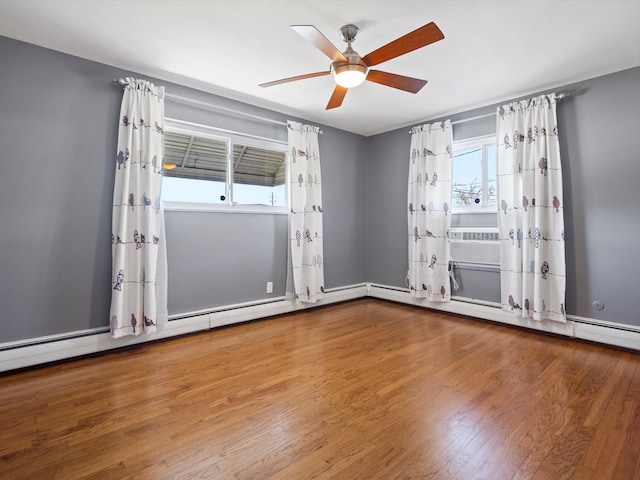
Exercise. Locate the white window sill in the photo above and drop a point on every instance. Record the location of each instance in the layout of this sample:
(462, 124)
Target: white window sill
(219, 208)
(475, 209)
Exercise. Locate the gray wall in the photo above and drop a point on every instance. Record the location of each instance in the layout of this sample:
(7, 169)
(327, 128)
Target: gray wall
(344, 172)
(601, 166)
(57, 138)
(58, 119)
(217, 259)
(600, 150)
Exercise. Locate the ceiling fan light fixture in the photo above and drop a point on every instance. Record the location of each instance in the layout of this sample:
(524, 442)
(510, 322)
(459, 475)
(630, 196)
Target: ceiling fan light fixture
(349, 75)
(350, 70)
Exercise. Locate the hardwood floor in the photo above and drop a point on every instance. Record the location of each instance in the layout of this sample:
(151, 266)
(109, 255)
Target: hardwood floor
(361, 390)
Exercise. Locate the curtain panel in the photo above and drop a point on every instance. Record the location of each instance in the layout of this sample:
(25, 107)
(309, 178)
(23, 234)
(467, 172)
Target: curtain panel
(429, 211)
(530, 210)
(305, 219)
(139, 277)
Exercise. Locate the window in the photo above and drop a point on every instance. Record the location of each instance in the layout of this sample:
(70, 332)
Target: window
(474, 175)
(216, 168)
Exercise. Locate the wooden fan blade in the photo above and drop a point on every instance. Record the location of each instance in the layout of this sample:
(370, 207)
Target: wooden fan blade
(293, 79)
(408, 84)
(419, 38)
(313, 36)
(337, 97)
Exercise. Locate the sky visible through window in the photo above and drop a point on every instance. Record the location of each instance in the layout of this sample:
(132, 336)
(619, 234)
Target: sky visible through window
(207, 191)
(467, 186)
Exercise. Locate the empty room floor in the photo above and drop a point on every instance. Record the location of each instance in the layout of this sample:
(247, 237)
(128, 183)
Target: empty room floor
(366, 389)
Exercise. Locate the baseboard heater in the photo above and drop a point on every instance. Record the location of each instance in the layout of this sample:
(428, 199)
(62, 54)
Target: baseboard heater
(36, 351)
(52, 338)
(595, 330)
(225, 308)
(40, 350)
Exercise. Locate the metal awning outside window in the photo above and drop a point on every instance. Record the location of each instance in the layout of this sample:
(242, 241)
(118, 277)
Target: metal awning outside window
(206, 159)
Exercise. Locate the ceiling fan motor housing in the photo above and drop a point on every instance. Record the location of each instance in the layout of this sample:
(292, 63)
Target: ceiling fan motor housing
(354, 61)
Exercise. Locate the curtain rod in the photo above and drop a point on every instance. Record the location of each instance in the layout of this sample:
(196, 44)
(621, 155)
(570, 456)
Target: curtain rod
(559, 96)
(123, 82)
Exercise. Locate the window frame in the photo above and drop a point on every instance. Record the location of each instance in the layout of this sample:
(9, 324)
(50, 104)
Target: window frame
(483, 142)
(230, 138)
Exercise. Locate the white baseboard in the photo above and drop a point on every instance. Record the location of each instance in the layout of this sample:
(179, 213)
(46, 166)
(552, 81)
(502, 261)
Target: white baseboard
(229, 316)
(41, 350)
(609, 333)
(36, 351)
(600, 331)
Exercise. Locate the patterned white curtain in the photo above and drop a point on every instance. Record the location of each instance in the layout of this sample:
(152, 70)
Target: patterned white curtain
(138, 300)
(305, 224)
(429, 215)
(530, 215)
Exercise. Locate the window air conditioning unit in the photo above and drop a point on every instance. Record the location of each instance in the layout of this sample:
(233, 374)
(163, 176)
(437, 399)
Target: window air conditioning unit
(474, 245)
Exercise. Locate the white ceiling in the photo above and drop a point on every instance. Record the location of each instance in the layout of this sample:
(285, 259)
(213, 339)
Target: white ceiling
(493, 50)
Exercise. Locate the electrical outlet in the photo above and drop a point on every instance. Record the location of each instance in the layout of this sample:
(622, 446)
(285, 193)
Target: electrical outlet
(269, 287)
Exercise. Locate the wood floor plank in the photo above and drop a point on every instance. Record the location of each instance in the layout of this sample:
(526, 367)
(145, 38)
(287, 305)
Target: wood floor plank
(365, 390)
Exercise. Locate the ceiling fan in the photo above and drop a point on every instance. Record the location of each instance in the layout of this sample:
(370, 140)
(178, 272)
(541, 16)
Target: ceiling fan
(350, 69)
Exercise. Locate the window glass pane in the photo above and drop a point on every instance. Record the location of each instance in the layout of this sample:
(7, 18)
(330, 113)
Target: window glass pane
(191, 190)
(259, 176)
(260, 195)
(466, 188)
(492, 172)
(199, 168)
(195, 157)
